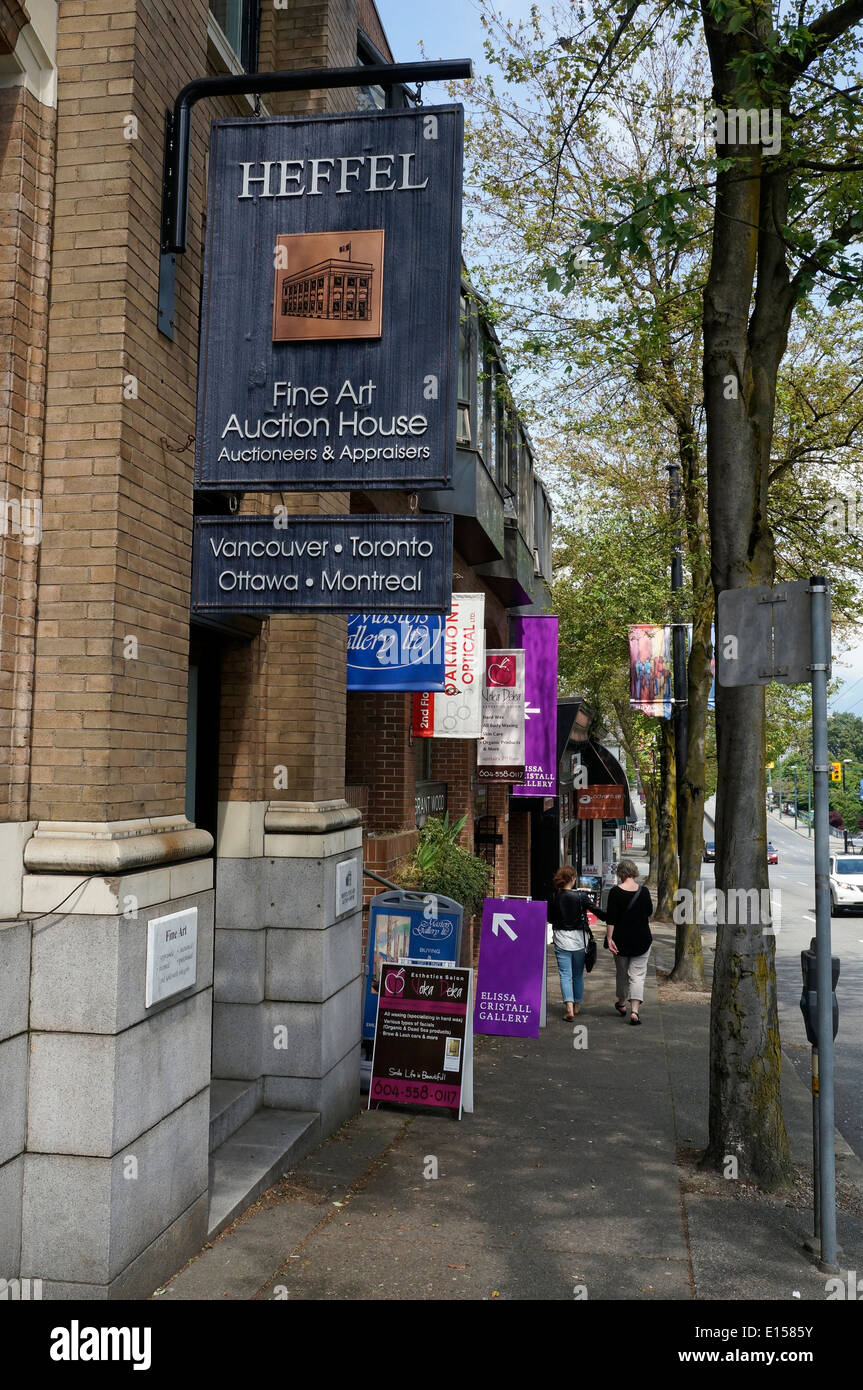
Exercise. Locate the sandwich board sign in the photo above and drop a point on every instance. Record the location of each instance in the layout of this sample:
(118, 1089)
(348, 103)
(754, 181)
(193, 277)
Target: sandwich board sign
(511, 973)
(423, 1050)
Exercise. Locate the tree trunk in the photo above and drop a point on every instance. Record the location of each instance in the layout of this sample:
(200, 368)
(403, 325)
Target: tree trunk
(688, 952)
(653, 830)
(741, 361)
(666, 886)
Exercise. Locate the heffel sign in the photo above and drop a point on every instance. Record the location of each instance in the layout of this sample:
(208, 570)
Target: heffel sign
(250, 564)
(331, 302)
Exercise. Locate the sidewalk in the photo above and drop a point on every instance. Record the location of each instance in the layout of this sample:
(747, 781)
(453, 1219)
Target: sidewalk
(564, 1183)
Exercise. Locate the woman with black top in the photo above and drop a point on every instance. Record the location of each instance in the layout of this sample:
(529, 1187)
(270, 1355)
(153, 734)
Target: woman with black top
(570, 933)
(627, 933)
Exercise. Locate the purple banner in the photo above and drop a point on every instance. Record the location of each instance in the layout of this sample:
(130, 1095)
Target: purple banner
(511, 966)
(538, 637)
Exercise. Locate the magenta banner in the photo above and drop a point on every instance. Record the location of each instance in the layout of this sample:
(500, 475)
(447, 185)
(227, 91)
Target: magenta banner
(511, 967)
(538, 637)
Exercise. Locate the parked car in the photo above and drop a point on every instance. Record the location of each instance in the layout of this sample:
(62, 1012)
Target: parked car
(846, 882)
(788, 808)
(772, 854)
(709, 851)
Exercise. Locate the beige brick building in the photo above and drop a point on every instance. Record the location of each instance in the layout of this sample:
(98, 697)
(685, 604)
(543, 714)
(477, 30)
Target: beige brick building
(155, 765)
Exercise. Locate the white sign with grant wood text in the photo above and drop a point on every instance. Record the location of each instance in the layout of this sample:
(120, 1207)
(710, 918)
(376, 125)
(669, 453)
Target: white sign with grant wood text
(172, 954)
(500, 753)
(347, 885)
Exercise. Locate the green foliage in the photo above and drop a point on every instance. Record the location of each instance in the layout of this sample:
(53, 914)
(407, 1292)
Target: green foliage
(848, 805)
(440, 865)
(845, 736)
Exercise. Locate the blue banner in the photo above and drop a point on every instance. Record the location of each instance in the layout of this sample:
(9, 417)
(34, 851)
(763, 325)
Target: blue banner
(395, 651)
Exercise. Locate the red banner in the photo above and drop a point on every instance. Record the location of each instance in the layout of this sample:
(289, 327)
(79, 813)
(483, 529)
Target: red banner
(600, 803)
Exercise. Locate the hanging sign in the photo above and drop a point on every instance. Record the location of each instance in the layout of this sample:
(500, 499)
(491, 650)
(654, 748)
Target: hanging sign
(422, 1052)
(538, 637)
(251, 564)
(597, 802)
(500, 752)
(330, 311)
(395, 651)
(456, 712)
(511, 967)
(650, 670)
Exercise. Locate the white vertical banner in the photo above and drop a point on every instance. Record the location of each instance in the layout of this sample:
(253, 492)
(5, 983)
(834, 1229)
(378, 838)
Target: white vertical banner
(500, 753)
(457, 711)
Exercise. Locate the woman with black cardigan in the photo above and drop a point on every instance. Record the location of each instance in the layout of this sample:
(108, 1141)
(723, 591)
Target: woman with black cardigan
(628, 936)
(568, 911)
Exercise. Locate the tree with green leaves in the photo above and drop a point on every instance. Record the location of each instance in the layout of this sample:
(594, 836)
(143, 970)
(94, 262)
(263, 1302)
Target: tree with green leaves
(769, 218)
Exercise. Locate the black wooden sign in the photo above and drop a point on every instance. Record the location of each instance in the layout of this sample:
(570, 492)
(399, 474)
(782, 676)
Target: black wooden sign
(329, 338)
(297, 564)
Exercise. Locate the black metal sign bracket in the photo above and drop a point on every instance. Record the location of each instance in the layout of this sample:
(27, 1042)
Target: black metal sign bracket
(178, 128)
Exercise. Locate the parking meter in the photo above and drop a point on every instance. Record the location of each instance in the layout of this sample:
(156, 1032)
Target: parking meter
(809, 997)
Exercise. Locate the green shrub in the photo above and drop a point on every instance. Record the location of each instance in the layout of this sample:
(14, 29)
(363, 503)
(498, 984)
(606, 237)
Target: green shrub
(440, 865)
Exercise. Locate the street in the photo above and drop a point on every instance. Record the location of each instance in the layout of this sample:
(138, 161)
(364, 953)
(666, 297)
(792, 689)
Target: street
(793, 877)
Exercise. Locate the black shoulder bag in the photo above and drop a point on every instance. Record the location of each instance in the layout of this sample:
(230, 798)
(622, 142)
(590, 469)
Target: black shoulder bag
(590, 948)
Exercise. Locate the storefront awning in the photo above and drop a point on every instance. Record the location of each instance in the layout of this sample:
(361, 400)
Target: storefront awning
(603, 769)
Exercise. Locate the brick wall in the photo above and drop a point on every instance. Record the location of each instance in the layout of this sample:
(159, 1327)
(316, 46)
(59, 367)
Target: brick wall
(369, 20)
(309, 34)
(518, 868)
(26, 192)
(112, 637)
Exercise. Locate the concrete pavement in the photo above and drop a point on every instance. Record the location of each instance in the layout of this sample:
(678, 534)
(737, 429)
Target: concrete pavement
(575, 1177)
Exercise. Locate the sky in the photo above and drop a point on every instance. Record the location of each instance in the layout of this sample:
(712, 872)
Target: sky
(451, 29)
(447, 29)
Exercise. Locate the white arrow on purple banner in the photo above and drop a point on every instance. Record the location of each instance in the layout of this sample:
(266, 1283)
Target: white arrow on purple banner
(503, 919)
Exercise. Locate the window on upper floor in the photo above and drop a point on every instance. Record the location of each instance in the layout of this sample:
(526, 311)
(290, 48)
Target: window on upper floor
(239, 22)
(465, 372)
(378, 98)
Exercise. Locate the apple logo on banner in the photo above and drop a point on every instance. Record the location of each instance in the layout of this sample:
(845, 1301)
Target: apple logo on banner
(500, 671)
(395, 982)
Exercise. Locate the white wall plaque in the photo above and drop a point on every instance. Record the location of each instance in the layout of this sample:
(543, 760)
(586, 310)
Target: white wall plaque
(172, 954)
(347, 886)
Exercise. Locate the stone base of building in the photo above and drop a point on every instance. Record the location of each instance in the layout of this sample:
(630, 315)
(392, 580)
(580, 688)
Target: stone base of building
(106, 1169)
(288, 956)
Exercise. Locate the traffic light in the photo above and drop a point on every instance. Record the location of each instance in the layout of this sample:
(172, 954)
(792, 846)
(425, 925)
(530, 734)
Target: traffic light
(809, 997)
(835, 772)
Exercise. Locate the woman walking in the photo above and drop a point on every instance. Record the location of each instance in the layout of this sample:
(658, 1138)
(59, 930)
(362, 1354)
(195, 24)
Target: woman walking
(570, 934)
(627, 934)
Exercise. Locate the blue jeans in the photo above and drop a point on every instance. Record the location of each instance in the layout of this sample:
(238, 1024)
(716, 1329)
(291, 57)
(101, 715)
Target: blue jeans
(570, 966)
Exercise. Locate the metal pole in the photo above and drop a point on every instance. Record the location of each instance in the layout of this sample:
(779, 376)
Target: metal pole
(795, 798)
(824, 977)
(678, 641)
(810, 817)
(816, 1149)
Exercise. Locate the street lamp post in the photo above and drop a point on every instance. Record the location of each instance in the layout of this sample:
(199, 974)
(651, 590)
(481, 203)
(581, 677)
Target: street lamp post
(795, 798)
